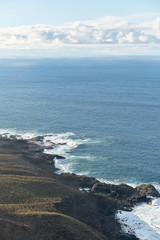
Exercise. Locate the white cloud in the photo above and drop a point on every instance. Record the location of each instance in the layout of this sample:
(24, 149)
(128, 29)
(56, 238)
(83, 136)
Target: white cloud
(156, 24)
(107, 31)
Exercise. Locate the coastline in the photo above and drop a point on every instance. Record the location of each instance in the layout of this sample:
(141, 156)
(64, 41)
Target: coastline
(34, 192)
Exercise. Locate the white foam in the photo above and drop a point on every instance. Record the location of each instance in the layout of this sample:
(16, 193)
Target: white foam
(63, 165)
(62, 143)
(17, 134)
(53, 143)
(156, 202)
(85, 157)
(143, 220)
(117, 182)
(84, 189)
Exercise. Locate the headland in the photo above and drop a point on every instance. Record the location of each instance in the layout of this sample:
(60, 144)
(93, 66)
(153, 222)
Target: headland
(37, 203)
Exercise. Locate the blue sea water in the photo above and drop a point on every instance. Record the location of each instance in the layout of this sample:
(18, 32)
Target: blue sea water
(111, 105)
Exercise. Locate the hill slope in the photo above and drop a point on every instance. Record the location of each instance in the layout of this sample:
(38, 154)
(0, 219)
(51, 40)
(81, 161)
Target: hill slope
(37, 204)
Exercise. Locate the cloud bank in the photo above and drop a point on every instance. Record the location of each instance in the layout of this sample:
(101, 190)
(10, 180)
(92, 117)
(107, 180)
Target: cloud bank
(104, 32)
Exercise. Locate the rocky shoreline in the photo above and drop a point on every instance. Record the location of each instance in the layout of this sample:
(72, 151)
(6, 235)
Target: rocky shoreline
(58, 204)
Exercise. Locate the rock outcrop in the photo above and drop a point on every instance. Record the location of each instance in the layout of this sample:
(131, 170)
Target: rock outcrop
(79, 181)
(147, 190)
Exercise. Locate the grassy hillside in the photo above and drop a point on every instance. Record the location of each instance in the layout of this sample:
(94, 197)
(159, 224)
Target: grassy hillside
(29, 194)
(37, 204)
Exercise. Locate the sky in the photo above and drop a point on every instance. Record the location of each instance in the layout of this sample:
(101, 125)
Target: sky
(86, 28)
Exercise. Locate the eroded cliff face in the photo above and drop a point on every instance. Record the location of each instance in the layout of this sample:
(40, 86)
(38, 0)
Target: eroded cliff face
(36, 203)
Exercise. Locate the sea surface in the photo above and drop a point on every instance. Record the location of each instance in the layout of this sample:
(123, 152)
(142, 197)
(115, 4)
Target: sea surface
(103, 114)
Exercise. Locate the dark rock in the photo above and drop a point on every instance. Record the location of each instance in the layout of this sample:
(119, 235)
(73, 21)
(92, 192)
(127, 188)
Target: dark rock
(143, 193)
(13, 137)
(123, 190)
(47, 157)
(126, 194)
(79, 180)
(58, 156)
(118, 191)
(37, 139)
(101, 188)
(147, 190)
(38, 149)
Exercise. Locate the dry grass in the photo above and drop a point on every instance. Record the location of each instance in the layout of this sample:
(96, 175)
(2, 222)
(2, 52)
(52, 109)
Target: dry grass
(28, 199)
(22, 189)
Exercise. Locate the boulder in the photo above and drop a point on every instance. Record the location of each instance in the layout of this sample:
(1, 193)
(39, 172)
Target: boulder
(118, 191)
(147, 190)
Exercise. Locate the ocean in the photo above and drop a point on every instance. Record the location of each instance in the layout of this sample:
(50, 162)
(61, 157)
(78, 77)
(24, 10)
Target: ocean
(103, 114)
